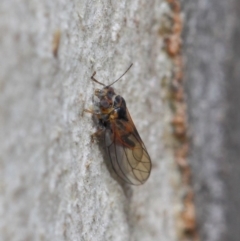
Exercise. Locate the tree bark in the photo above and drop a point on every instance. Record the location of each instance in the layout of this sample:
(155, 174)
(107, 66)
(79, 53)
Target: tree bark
(54, 183)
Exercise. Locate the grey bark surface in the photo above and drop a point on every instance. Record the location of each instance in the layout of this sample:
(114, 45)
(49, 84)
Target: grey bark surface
(212, 62)
(54, 183)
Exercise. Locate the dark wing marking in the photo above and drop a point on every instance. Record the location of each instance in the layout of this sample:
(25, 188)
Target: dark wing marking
(127, 152)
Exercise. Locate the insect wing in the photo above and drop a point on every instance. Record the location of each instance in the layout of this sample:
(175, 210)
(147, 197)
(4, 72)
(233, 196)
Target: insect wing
(127, 152)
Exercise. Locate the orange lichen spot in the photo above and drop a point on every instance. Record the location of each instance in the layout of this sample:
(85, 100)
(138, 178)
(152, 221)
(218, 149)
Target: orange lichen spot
(173, 46)
(56, 42)
(188, 214)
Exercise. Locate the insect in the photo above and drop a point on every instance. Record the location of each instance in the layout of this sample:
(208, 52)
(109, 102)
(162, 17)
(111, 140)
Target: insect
(127, 153)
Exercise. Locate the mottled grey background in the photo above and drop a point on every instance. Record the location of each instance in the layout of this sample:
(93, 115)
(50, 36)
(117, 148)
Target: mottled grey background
(212, 74)
(54, 184)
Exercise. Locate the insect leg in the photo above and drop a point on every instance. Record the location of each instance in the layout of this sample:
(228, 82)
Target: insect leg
(94, 113)
(89, 111)
(98, 133)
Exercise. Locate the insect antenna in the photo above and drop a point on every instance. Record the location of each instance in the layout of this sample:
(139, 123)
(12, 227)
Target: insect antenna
(121, 75)
(92, 78)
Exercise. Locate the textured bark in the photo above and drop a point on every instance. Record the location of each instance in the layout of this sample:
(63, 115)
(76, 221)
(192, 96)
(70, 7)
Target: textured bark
(211, 49)
(54, 184)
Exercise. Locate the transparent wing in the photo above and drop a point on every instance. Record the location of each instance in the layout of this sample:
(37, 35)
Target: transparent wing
(127, 152)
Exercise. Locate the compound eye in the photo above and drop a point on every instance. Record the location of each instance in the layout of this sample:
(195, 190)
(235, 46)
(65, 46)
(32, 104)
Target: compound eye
(105, 104)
